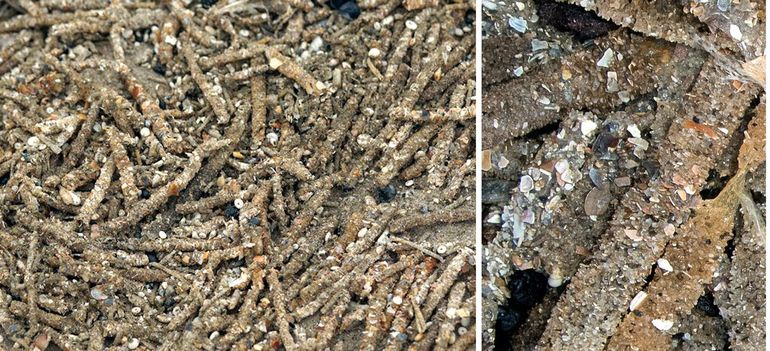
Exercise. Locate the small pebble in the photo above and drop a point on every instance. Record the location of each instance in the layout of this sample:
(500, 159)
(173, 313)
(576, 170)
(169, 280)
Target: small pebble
(665, 265)
(606, 58)
(136, 310)
(623, 181)
(502, 162)
(411, 25)
(162, 235)
(374, 52)
(238, 203)
(587, 127)
(133, 344)
(33, 141)
(662, 324)
(526, 184)
(638, 299)
(634, 130)
(144, 132)
(735, 32)
(98, 294)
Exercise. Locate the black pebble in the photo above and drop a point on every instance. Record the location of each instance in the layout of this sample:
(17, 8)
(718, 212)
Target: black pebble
(385, 194)
(208, 3)
(583, 24)
(162, 104)
(152, 256)
(159, 69)
(527, 288)
(254, 221)
(231, 211)
(470, 16)
(347, 8)
(144, 194)
(508, 319)
(392, 257)
(707, 305)
(5, 178)
(603, 143)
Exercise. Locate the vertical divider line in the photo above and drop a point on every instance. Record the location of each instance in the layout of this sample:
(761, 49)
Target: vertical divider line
(479, 248)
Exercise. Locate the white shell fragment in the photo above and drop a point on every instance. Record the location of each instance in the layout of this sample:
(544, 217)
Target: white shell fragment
(735, 32)
(634, 130)
(503, 162)
(723, 5)
(526, 184)
(98, 294)
(587, 127)
(665, 265)
(518, 71)
(489, 5)
(555, 281)
(612, 82)
(538, 45)
(641, 143)
(662, 324)
(638, 299)
(518, 24)
(606, 58)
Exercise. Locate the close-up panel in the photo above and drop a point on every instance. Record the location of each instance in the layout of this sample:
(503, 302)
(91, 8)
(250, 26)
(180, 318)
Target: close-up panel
(623, 162)
(237, 174)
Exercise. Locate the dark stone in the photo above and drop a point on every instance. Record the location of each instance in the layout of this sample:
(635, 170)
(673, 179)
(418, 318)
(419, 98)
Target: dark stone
(144, 194)
(385, 194)
(208, 3)
(347, 8)
(152, 256)
(496, 191)
(254, 221)
(5, 178)
(603, 143)
(707, 305)
(508, 319)
(470, 17)
(159, 69)
(527, 288)
(231, 211)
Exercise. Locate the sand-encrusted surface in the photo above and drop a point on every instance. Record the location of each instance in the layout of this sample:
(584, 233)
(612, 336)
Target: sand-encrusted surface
(237, 175)
(607, 145)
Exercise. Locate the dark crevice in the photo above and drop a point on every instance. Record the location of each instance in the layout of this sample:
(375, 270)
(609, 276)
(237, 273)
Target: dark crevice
(545, 130)
(706, 305)
(527, 288)
(714, 185)
(583, 24)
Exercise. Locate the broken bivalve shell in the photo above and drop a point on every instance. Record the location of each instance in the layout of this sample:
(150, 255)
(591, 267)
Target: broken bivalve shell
(638, 299)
